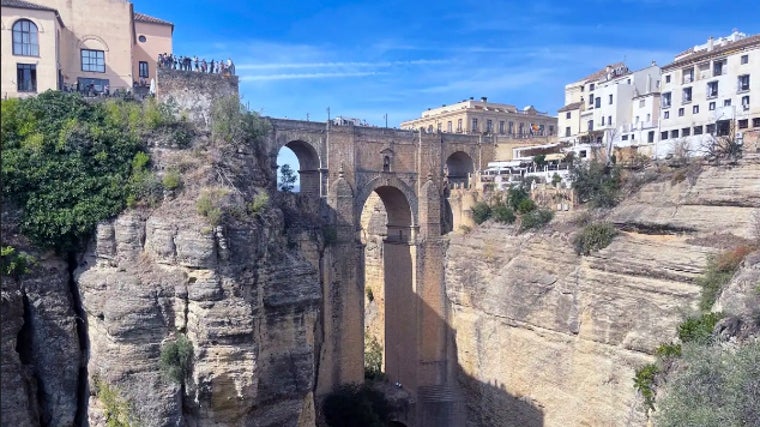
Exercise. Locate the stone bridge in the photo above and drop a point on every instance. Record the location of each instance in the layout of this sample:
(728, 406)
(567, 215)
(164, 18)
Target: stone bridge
(341, 167)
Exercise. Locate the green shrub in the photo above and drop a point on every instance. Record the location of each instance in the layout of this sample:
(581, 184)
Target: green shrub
(67, 163)
(157, 114)
(713, 386)
(260, 201)
(526, 205)
(481, 212)
(352, 406)
(556, 179)
(143, 186)
(209, 205)
(373, 358)
(370, 294)
(644, 382)
(231, 123)
(536, 219)
(116, 410)
(516, 195)
(720, 269)
(502, 213)
(172, 179)
(15, 264)
(596, 184)
(594, 237)
(698, 329)
(668, 350)
(177, 358)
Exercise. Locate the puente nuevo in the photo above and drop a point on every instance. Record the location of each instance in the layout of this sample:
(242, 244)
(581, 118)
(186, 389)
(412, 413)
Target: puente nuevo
(340, 167)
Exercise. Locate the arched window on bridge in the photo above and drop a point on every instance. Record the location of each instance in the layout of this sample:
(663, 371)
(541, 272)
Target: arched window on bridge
(298, 168)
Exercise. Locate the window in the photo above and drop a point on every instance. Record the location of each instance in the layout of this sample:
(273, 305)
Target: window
(93, 60)
(664, 135)
(649, 117)
(697, 130)
(26, 77)
(666, 115)
(650, 136)
(688, 75)
(511, 128)
(590, 125)
(582, 154)
(686, 95)
(489, 126)
(727, 102)
(642, 103)
(724, 127)
(591, 87)
(568, 114)
(743, 83)
(602, 120)
(745, 59)
(745, 102)
(143, 69)
(685, 131)
(624, 137)
(680, 112)
(674, 133)
(711, 106)
(591, 100)
(743, 123)
(459, 125)
(718, 67)
(710, 129)
(522, 129)
(609, 120)
(712, 89)
(756, 122)
(551, 130)
(25, 38)
(597, 102)
(567, 131)
(142, 39)
(637, 120)
(501, 127)
(439, 125)
(667, 78)
(695, 109)
(610, 99)
(449, 126)
(666, 100)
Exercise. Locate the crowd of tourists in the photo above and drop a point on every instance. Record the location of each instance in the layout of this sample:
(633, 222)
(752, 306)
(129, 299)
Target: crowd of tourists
(187, 63)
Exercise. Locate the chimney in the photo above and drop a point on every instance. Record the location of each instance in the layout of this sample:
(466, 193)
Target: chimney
(483, 99)
(710, 44)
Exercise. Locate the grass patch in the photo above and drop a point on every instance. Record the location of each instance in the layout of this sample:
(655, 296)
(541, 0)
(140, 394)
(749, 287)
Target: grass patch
(720, 270)
(698, 329)
(643, 381)
(535, 219)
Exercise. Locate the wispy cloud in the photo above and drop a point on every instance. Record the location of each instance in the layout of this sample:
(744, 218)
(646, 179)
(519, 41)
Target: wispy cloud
(346, 64)
(293, 76)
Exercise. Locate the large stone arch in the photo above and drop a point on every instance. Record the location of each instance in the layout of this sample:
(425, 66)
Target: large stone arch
(397, 218)
(459, 167)
(308, 165)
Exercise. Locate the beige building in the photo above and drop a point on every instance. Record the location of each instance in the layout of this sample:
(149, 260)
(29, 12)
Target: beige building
(59, 45)
(483, 117)
(710, 90)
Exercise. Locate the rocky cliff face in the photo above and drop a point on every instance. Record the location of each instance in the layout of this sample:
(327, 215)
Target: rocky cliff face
(542, 328)
(241, 293)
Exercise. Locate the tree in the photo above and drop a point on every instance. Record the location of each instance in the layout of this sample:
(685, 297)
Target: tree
(287, 178)
(724, 146)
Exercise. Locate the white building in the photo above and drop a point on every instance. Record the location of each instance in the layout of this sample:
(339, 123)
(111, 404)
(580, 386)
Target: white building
(709, 91)
(612, 106)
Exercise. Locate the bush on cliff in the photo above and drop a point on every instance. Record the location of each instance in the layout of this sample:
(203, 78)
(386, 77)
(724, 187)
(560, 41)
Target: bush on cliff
(597, 184)
(594, 237)
(67, 162)
(177, 358)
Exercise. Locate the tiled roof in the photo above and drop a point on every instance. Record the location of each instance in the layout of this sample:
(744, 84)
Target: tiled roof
(25, 5)
(718, 50)
(571, 106)
(603, 72)
(141, 17)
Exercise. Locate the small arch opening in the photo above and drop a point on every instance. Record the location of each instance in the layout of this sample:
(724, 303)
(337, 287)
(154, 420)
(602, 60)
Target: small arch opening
(298, 168)
(459, 167)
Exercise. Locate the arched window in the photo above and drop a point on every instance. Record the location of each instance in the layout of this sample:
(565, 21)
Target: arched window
(25, 40)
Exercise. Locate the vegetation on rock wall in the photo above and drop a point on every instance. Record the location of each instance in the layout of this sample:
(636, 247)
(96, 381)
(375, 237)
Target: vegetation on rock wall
(373, 356)
(597, 184)
(116, 410)
(177, 358)
(594, 237)
(518, 202)
(720, 270)
(14, 264)
(70, 163)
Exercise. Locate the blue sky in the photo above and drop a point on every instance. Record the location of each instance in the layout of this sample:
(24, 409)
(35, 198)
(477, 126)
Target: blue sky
(365, 59)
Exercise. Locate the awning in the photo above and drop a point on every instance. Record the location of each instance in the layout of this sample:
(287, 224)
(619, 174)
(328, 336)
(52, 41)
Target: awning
(554, 156)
